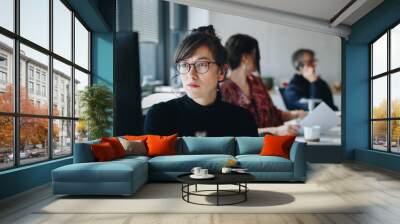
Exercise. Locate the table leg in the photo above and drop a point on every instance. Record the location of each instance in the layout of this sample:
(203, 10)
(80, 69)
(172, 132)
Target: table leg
(188, 189)
(245, 193)
(217, 194)
(196, 188)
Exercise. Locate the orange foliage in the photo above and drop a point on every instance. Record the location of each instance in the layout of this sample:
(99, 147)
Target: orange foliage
(33, 130)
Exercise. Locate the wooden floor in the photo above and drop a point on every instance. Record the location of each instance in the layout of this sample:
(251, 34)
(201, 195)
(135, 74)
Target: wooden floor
(377, 188)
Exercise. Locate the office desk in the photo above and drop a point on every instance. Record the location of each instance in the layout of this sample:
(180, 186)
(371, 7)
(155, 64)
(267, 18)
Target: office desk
(327, 150)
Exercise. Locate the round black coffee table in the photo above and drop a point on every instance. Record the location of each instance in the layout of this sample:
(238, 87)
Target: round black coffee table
(238, 179)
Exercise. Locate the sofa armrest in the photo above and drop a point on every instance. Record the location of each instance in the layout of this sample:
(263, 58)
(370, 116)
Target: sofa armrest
(83, 152)
(298, 157)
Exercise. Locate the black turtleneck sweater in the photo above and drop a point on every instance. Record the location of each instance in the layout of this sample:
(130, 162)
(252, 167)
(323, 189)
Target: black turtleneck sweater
(188, 118)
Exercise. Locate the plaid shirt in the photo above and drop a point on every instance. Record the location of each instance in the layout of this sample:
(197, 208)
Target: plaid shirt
(259, 102)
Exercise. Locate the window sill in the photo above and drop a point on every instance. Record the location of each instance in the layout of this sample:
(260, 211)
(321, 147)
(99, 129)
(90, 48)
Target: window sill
(25, 167)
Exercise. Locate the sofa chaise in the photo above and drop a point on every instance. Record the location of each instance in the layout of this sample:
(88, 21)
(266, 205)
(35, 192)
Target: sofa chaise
(125, 176)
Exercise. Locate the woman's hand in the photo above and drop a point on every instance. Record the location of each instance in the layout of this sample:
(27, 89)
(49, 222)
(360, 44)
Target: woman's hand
(299, 114)
(287, 130)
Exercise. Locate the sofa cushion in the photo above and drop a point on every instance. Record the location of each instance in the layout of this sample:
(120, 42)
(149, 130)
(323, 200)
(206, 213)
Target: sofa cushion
(116, 144)
(185, 163)
(83, 152)
(132, 158)
(103, 152)
(134, 147)
(111, 171)
(277, 146)
(206, 145)
(161, 145)
(249, 145)
(257, 163)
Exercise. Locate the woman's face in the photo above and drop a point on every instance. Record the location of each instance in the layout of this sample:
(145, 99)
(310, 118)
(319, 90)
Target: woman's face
(196, 82)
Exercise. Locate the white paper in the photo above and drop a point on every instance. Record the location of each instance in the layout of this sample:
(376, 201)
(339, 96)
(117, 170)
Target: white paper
(323, 116)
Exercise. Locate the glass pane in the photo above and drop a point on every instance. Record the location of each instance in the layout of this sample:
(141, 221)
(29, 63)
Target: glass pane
(81, 81)
(395, 136)
(62, 29)
(7, 14)
(62, 89)
(62, 138)
(379, 135)
(33, 140)
(34, 97)
(35, 21)
(6, 74)
(395, 94)
(379, 98)
(395, 47)
(81, 131)
(6, 142)
(81, 45)
(379, 56)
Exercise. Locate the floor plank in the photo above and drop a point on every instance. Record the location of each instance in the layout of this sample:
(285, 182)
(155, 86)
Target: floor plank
(377, 190)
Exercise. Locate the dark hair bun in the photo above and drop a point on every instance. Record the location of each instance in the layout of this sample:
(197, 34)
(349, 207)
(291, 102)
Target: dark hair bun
(209, 30)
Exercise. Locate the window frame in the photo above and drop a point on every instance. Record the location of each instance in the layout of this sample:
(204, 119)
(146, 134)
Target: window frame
(388, 74)
(16, 115)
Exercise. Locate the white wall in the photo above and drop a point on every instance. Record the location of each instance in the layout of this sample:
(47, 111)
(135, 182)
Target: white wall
(277, 43)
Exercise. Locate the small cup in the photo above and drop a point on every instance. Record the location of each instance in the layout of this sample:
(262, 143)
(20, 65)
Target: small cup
(312, 133)
(196, 170)
(203, 172)
(226, 170)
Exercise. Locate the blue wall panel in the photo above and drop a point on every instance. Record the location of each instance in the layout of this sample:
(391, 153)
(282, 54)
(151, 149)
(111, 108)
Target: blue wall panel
(357, 84)
(102, 58)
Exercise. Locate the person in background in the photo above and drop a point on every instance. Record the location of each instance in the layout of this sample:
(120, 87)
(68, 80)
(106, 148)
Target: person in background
(201, 62)
(306, 84)
(247, 90)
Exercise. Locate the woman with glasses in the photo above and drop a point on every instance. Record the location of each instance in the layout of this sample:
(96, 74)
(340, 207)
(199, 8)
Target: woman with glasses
(201, 62)
(247, 90)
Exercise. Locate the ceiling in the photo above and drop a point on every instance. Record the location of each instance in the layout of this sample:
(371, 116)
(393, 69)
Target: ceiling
(333, 17)
(319, 9)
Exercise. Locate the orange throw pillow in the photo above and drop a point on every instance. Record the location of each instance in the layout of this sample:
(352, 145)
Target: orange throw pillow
(161, 145)
(116, 145)
(277, 146)
(135, 137)
(103, 152)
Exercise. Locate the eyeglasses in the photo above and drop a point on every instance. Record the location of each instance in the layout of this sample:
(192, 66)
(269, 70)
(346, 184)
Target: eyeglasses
(201, 67)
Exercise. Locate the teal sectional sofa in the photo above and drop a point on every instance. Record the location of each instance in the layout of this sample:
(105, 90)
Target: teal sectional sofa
(125, 176)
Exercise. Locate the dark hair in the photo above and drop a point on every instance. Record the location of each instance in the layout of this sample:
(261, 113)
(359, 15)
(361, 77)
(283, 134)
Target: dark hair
(240, 44)
(202, 36)
(298, 55)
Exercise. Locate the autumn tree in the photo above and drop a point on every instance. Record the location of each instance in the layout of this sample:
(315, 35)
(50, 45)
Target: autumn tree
(33, 131)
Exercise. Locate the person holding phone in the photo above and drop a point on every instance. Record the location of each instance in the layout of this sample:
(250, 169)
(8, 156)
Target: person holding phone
(306, 84)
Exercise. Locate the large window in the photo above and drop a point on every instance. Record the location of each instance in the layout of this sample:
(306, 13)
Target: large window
(44, 64)
(385, 93)
(146, 16)
(161, 26)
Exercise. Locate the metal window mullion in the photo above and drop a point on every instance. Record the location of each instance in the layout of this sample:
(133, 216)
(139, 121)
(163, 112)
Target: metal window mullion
(371, 89)
(16, 84)
(16, 70)
(50, 81)
(389, 102)
(89, 54)
(73, 83)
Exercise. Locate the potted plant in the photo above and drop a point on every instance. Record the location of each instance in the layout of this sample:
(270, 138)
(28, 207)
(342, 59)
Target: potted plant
(96, 104)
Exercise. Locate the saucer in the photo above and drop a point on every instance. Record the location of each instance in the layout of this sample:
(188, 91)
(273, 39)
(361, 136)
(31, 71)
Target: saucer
(208, 176)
